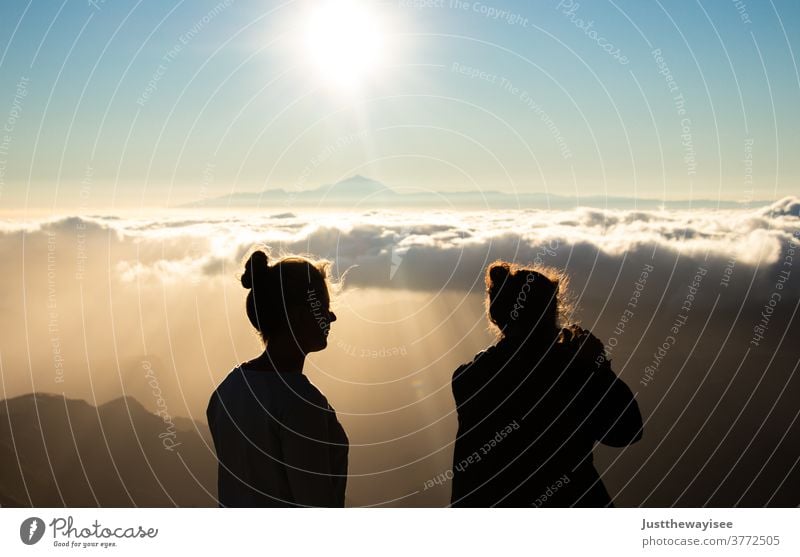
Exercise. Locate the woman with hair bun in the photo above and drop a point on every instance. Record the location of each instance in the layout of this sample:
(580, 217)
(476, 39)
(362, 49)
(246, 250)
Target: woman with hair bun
(531, 407)
(277, 439)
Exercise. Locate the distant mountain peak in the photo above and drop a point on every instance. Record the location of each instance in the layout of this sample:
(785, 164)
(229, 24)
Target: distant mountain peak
(124, 401)
(356, 185)
(358, 178)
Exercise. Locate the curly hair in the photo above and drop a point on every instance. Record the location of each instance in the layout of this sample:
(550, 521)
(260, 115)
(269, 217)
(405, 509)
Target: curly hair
(523, 298)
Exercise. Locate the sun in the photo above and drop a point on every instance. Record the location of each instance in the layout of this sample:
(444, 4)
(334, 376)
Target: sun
(345, 43)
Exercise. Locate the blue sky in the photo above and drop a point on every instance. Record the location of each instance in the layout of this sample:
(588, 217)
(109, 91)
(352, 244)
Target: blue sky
(512, 96)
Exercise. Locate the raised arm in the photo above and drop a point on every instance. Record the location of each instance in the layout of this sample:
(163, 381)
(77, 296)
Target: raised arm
(614, 418)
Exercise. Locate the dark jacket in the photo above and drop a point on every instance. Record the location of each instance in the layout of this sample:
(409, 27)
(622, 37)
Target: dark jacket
(528, 418)
(278, 442)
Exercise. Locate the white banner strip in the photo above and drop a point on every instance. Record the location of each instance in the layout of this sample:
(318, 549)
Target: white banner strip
(370, 532)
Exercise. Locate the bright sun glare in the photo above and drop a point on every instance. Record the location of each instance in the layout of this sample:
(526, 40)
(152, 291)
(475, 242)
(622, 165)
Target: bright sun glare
(345, 42)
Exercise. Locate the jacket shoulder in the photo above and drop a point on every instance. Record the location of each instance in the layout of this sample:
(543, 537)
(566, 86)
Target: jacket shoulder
(477, 361)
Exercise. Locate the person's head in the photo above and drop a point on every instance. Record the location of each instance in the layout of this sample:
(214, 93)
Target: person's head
(289, 300)
(525, 302)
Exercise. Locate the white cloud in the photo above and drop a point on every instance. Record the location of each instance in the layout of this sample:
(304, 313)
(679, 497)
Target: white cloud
(201, 243)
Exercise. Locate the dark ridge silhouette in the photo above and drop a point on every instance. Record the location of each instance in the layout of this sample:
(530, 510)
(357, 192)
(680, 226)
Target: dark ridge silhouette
(112, 455)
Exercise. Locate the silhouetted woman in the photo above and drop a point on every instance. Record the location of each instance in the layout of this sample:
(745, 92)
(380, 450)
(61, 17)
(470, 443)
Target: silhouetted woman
(531, 407)
(277, 439)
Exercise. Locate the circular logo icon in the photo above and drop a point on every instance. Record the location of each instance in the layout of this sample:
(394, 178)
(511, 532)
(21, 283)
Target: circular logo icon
(31, 530)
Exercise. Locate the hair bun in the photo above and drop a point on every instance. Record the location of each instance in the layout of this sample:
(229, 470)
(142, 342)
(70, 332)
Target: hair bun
(499, 272)
(255, 269)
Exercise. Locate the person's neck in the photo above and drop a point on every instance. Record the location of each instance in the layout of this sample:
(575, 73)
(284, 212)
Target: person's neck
(283, 355)
(537, 338)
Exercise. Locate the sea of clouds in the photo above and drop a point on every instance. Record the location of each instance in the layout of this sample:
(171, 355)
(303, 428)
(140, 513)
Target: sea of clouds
(188, 243)
(93, 303)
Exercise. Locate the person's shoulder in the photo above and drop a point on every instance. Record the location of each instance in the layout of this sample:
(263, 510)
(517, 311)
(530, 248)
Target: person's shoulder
(223, 394)
(242, 383)
(479, 359)
(230, 379)
(288, 386)
(297, 389)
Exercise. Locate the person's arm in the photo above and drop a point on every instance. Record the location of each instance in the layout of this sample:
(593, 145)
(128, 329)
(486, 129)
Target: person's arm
(338, 457)
(614, 418)
(304, 442)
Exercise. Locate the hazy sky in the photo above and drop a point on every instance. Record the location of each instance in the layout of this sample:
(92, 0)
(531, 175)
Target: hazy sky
(130, 103)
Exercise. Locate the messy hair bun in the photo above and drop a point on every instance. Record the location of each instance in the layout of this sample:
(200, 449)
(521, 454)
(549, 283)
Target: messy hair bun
(255, 270)
(498, 272)
(520, 299)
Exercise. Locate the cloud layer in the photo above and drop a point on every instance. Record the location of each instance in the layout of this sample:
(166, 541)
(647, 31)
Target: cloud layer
(181, 245)
(90, 302)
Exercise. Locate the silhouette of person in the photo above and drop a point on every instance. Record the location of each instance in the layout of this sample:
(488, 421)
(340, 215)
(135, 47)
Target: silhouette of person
(277, 439)
(531, 407)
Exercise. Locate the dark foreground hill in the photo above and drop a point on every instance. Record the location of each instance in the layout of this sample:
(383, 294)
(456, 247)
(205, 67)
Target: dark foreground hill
(56, 451)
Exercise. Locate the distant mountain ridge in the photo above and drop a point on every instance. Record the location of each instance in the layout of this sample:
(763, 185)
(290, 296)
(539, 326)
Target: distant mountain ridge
(56, 451)
(360, 192)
